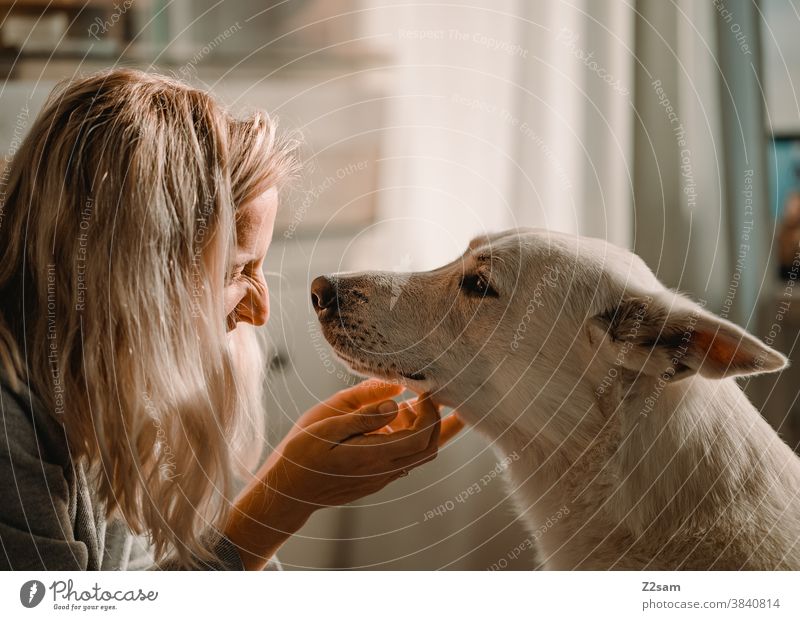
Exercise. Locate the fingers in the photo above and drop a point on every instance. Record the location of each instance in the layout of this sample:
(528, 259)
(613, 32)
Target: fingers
(427, 414)
(410, 461)
(339, 428)
(413, 440)
(365, 393)
(404, 420)
(406, 417)
(415, 460)
(428, 422)
(451, 426)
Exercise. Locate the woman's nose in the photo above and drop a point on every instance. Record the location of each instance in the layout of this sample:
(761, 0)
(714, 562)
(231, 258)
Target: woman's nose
(256, 307)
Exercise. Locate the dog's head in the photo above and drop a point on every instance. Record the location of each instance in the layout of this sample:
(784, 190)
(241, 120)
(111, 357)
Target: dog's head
(527, 308)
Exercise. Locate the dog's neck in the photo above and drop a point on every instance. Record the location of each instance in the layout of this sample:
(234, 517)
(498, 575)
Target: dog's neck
(587, 437)
(554, 415)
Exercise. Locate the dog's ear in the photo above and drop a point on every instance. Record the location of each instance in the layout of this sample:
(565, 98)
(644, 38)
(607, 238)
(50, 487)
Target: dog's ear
(673, 337)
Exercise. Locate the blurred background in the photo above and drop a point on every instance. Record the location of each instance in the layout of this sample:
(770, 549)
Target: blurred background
(671, 127)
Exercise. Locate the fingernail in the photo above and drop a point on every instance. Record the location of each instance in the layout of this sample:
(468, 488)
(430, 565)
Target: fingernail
(387, 407)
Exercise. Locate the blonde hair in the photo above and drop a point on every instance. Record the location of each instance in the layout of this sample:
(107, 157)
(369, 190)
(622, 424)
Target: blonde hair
(117, 231)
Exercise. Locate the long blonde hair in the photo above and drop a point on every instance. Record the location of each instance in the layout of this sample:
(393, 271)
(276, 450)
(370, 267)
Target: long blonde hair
(117, 231)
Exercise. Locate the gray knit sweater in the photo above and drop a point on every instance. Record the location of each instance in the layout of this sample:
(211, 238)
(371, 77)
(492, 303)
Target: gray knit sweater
(49, 517)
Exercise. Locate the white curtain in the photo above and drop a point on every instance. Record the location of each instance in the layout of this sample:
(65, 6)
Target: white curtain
(518, 114)
(555, 114)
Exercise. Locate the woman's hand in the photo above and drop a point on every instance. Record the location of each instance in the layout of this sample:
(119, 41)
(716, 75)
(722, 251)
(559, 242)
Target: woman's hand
(364, 394)
(339, 451)
(336, 456)
(451, 425)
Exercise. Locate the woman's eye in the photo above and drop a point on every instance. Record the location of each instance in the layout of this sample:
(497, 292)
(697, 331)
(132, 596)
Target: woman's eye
(477, 286)
(236, 274)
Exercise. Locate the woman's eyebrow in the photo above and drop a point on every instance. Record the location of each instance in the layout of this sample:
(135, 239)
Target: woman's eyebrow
(246, 253)
(242, 260)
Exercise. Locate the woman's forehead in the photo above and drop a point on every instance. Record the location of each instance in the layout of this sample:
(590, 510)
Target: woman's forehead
(254, 222)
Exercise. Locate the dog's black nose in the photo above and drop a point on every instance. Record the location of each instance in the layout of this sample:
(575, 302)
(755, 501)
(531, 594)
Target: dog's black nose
(323, 295)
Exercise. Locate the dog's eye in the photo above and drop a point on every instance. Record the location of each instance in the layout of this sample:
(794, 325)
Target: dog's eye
(477, 286)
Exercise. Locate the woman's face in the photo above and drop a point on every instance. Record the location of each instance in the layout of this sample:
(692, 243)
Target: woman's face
(246, 296)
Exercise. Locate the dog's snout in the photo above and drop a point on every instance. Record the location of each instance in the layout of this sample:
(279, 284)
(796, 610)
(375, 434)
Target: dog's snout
(323, 295)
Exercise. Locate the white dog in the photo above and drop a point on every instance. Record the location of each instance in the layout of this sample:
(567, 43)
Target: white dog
(630, 444)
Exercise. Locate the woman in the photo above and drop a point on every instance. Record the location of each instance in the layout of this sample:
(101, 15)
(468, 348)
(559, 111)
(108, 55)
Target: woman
(134, 223)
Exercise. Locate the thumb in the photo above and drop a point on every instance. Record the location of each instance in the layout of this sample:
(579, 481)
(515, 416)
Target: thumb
(365, 420)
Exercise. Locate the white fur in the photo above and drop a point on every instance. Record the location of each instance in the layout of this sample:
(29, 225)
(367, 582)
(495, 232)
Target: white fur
(614, 464)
